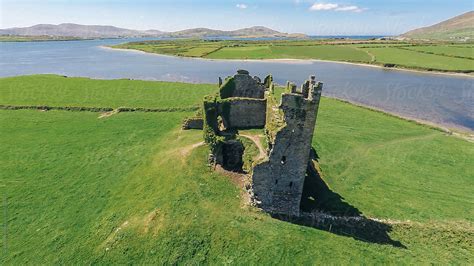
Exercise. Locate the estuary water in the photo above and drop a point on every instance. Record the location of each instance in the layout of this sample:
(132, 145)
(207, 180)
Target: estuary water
(439, 99)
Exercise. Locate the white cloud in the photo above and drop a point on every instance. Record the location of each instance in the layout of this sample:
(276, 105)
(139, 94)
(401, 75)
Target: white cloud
(241, 6)
(335, 7)
(350, 9)
(323, 6)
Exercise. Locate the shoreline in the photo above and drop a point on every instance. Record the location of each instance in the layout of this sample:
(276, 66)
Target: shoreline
(459, 132)
(463, 133)
(58, 40)
(45, 40)
(298, 61)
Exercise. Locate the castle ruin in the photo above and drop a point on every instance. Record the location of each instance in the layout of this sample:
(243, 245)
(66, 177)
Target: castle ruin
(288, 117)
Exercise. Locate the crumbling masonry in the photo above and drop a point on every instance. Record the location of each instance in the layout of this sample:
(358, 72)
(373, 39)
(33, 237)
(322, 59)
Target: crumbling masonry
(245, 102)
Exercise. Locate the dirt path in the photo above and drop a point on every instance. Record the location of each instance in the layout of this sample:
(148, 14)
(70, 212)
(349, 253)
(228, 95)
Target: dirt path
(372, 56)
(185, 151)
(256, 139)
(108, 114)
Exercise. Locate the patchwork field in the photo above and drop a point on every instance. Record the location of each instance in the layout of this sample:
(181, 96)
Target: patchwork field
(324, 52)
(443, 57)
(134, 188)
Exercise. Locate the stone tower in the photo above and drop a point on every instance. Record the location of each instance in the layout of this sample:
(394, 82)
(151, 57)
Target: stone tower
(277, 183)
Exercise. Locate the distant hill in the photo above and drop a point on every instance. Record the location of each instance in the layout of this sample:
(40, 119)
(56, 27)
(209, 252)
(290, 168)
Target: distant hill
(257, 31)
(96, 31)
(459, 28)
(75, 30)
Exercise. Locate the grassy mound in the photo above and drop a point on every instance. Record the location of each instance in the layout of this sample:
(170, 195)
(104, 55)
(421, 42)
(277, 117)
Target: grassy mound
(133, 188)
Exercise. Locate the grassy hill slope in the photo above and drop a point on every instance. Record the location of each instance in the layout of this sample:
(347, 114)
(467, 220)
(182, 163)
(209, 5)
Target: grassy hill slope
(133, 188)
(457, 28)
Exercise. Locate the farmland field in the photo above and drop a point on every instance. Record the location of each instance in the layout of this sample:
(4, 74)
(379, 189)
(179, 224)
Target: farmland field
(324, 52)
(134, 188)
(443, 57)
(461, 51)
(199, 51)
(253, 52)
(418, 60)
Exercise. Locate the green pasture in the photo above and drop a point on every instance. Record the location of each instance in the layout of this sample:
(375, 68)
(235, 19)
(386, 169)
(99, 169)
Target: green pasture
(51, 90)
(455, 51)
(413, 59)
(322, 52)
(446, 57)
(135, 188)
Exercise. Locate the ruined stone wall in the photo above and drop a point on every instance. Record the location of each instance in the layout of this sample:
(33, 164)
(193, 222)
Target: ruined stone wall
(242, 85)
(246, 86)
(243, 113)
(193, 123)
(277, 183)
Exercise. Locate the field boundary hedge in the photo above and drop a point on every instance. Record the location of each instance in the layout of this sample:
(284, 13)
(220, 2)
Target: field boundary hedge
(432, 53)
(98, 109)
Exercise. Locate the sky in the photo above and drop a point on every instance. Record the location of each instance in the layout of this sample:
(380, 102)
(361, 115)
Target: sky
(313, 17)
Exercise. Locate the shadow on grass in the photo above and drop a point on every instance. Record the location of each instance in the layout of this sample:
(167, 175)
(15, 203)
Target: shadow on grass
(317, 196)
(323, 209)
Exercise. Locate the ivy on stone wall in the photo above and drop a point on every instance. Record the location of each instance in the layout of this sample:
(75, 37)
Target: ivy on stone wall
(210, 128)
(275, 119)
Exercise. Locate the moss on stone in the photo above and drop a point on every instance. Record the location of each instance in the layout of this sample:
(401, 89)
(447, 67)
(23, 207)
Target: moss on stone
(250, 152)
(227, 89)
(275, 119)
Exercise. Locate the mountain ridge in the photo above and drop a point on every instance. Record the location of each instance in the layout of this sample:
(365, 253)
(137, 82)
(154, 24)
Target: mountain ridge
(104, 31)
(457, 28)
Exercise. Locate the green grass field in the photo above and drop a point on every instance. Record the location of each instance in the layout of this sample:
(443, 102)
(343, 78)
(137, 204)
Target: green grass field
(200, 51)
(252, 52)
(133, 188)
(53, 90)
(443, 57)
(455, 51)
(323, 52)
(417, 60)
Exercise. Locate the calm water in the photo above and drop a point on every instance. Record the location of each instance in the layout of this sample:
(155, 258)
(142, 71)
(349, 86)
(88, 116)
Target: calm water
(440, 99)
